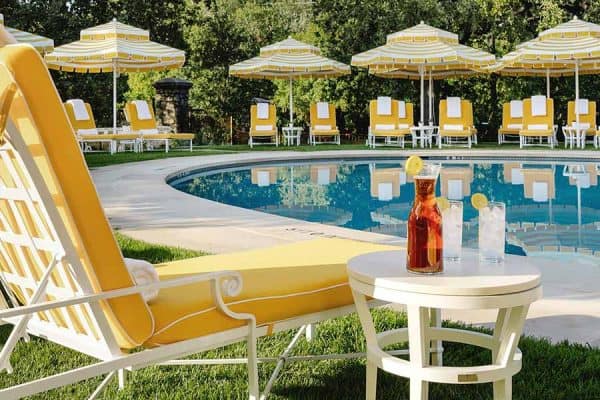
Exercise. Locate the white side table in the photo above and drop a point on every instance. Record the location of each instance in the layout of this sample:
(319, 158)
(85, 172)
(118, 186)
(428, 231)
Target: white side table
(509, 287)
(423, 135)
(291, 134)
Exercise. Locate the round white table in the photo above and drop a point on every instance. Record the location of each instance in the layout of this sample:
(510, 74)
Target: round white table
(423, 134)
(468, 284)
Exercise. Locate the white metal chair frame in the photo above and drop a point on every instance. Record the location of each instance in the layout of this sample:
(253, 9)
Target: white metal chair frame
(461, 141)
(98, 340)
(252, 143)
(391, 141)
(318, 139)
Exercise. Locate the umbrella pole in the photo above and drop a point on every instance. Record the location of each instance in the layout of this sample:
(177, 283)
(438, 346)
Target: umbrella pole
(577, 104)
(430, 98)
(291, 102)
(114, 96)
(422, 110)
(547, 83)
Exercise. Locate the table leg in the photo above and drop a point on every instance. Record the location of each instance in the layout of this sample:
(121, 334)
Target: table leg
(366, 320)
(418, 347)
(508, 329)
(435, 320)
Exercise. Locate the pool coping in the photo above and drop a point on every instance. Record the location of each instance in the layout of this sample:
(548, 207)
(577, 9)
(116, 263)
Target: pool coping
(139, 202)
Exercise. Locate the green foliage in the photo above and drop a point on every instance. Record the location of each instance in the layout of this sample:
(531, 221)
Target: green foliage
(216, 34)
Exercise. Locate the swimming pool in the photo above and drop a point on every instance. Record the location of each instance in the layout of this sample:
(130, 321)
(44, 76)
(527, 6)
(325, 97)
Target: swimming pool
(551, 206)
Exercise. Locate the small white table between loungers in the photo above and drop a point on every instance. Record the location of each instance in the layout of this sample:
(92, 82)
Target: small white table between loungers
(423, 134)
(574, 137)
(468, 284)
(291, 134)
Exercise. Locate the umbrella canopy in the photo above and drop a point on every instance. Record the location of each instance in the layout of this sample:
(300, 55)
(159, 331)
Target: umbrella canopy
(423, 51)
(289, 59)
(114, 47)
(40, 43)
(570, 48)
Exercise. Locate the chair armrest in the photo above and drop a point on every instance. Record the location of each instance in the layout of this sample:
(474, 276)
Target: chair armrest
(230, 282)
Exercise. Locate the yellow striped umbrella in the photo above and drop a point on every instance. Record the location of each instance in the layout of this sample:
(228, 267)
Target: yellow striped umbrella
(289, 59)
(114, 47)
(40, 43)
(421, 51)
(570, 48)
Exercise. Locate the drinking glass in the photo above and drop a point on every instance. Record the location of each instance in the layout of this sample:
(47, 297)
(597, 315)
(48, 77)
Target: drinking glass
(492, 232)
(452, 225)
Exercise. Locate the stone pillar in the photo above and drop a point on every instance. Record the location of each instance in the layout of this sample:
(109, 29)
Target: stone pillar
(172, 103)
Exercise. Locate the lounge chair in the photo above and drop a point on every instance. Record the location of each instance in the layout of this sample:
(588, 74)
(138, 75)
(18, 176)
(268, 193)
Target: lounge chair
(263, 124)
(513, 173)
(538, 122)
(82, 119)
(263, 176)
(456, 122)
(388, 121)
(539, 184)
(140, 115)
(512, 121)
(385, 182)
(456, 182)
(323, 124)
(587, 123)
(323, 174)
(65, 280)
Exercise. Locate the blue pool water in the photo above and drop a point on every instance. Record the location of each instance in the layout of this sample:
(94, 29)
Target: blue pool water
(550, 206)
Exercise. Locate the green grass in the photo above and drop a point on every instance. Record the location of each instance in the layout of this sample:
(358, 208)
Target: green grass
(102, 159)
(560, 371)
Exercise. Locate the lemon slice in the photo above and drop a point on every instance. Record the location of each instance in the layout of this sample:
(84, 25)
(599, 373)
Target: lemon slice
(414, 165)
(442, 203)
(479, 201)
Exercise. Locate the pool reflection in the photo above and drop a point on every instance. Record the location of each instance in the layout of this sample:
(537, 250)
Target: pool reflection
(550, 207)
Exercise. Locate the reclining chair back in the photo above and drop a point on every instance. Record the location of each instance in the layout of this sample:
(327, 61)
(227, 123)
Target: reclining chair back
(316, 121)
(588, 119)
(409, 118)
(56, 241)
(270, 121)
(78, 124)
(536, 122)
(138, 124)
(453, 123)
(508, 121)
(377, 120)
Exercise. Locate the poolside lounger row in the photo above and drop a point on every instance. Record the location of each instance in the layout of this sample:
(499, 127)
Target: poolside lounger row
(393, 120)
(521, 119)
(143, 133)
(263, 124)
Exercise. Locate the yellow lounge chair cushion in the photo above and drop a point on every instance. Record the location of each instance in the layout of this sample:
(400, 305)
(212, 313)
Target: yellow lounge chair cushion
(80, 124)
(278, 283)
(466, 132)
(97, 137)
(171, 136)
(509, 131)
(391, 132)
(325, 132)
(536, 132)
(264, 133)
(64, 170)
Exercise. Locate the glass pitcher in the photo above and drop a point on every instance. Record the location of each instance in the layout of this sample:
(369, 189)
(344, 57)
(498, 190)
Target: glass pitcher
(425, 245)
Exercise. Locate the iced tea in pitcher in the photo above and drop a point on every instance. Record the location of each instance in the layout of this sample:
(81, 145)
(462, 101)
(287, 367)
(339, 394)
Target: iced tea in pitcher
(425, 246)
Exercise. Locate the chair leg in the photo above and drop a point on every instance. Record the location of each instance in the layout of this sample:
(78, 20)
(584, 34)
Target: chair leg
(371, 380)
(253, 387)
(310, 332)
(122, 378)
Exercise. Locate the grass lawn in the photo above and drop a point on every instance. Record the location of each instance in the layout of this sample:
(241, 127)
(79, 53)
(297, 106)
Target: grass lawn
(102, 159)
(561, 371)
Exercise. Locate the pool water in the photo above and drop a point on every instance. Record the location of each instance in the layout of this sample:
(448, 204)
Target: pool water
(550, 207)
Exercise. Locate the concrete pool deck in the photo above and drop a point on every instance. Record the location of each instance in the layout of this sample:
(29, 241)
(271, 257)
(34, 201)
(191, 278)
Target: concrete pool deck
(139, 203)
